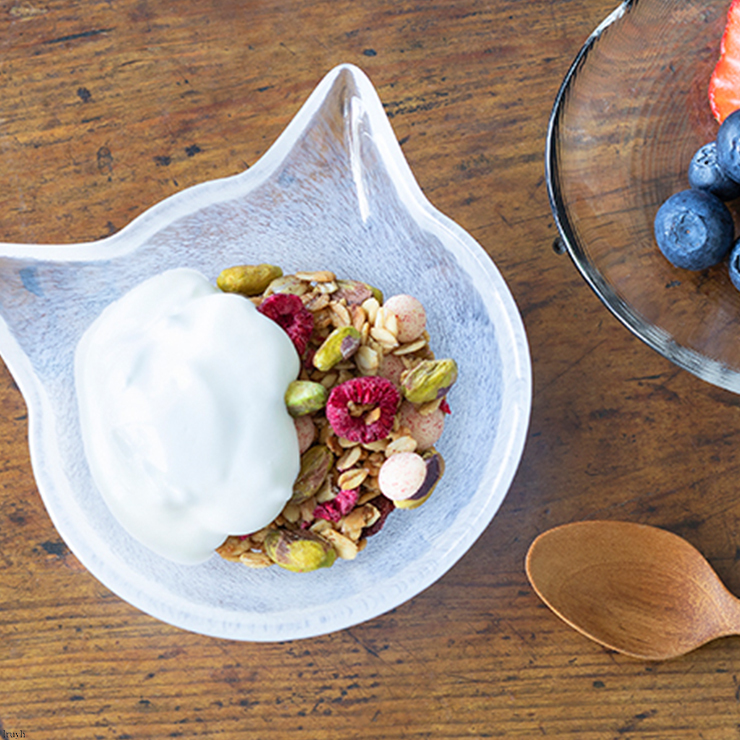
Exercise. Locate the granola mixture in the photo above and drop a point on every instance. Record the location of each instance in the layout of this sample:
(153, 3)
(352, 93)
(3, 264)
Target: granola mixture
(370, 388)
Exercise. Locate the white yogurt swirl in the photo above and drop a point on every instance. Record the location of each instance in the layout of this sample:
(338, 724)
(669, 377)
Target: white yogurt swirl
(183, 419)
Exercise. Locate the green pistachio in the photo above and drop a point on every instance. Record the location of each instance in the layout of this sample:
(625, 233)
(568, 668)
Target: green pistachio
(304, 397)
(339, 345)
(315, 464)
(429, 380)
(247, 280)
(299, 551)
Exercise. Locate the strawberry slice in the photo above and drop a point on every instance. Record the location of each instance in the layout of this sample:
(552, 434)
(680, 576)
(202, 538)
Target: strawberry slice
(724, 85)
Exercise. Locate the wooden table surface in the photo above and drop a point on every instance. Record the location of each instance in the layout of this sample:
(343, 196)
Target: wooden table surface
(108, 107)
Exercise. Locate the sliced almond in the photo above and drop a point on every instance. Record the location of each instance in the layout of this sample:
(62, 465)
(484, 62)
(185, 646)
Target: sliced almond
(384, 338)
(407, 349)
(319, 276)
(371, 306)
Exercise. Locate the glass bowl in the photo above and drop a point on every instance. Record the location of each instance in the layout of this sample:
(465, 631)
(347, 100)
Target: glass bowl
(333, 192)
(629, 116)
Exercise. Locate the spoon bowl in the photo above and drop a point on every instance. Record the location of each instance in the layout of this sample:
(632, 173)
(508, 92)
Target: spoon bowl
(636, 589)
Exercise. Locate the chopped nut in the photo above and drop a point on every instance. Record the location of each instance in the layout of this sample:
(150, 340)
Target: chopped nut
(367, 360)
(326, 492)
(390, 324)
(367, 497)
(233, 547)
(402, 444)
(292, 512)
(429, 407)
(319, 276)
(359, 317)
(287, 284)
(349, 458)
(259, 537)
(320, 526)
(361, 517)
(351, 479)
(341, 315)
(255, 560)
(317, 301)
(377, 446)
(334, 444)
(329, 287)
(345, 548)
(346, 443)
(329, 379)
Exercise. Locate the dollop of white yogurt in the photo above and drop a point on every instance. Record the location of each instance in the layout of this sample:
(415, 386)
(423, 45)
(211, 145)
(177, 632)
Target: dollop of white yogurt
(181, 398)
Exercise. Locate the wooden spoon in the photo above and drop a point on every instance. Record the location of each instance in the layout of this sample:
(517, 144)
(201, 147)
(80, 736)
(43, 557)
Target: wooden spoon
(636, 589)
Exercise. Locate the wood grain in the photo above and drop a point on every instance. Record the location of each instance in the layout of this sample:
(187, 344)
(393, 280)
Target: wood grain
(106, 109)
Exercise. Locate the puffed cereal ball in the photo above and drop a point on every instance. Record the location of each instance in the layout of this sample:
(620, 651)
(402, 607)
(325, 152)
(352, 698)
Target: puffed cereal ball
(411, 316)
(426, 429)
(402, 475)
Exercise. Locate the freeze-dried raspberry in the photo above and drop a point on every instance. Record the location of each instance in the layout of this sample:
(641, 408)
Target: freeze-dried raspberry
(444, 407)
(353, 405)
(338, 507)
(385, 506)
(287, 310)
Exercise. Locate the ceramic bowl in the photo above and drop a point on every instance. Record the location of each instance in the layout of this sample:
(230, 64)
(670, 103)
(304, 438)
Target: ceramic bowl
(334, 191)
(629, 116)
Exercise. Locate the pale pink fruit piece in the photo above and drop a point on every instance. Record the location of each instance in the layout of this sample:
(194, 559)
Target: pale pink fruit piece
(426, 429)
(411, 316)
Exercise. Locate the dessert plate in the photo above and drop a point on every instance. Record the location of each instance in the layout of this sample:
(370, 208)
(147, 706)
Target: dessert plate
(333, 192)
(629, 116)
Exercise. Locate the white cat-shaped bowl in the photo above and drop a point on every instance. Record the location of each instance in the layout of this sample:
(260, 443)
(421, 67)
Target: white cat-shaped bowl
(333, 192)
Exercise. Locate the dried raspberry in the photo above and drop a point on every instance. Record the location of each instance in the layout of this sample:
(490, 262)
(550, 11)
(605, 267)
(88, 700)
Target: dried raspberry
(351, 408)
(385, 506)
(338, 507)
(444, 407)
(288, 311)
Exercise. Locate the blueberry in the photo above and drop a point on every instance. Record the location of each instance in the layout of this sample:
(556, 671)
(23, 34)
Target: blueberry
(734, 264)
(728, 145)
(705, 173)
(694, 229)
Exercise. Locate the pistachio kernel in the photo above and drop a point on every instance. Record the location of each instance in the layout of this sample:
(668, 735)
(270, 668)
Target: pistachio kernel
(299, 551)
(247, 280)
(315, 464)
(339, 345)
(428, 380)
(305, 397)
